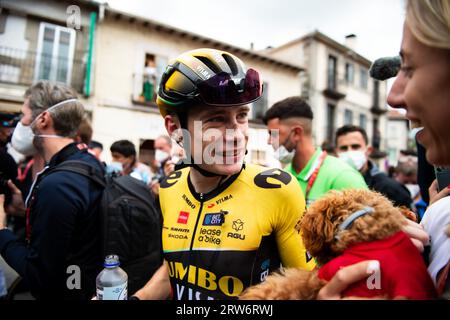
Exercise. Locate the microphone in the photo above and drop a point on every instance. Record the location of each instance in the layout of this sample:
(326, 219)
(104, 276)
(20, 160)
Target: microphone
(385, 68)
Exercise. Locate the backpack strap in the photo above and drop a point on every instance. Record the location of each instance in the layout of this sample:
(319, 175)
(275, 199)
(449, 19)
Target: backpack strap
(130, 184)
(81, 168)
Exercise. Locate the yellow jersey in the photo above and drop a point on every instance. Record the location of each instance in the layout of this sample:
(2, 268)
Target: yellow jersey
(219, 243)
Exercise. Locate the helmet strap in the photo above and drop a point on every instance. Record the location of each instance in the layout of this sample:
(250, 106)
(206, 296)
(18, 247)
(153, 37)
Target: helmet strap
(206, 173)
(203, 172)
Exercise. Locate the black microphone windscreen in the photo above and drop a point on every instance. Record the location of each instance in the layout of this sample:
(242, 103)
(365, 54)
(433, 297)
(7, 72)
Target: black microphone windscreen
(385, 68)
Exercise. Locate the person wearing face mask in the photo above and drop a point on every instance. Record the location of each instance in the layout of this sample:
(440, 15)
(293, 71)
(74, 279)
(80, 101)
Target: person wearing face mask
(164, 156)
(290, 133)
(352, 147)
(61, 210)
(123, 153)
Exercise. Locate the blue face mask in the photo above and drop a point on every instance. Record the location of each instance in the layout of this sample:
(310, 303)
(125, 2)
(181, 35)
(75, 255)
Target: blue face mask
(114, 168)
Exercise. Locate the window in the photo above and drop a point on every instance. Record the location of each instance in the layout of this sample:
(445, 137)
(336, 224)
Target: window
(348, 117)
(363, 78)
(331, 110)
(55, 52)
(146, 82)
(349, 73)
(149, 79)
(363, 121)
(332, 63)
(261, 106)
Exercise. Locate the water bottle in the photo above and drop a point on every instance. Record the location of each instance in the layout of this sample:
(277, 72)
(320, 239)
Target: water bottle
(112, 282)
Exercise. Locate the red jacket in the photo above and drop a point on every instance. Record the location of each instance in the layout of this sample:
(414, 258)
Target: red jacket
(403, 271)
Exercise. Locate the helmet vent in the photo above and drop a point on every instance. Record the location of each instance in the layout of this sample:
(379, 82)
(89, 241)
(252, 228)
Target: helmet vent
(209, 64)
(231, 63)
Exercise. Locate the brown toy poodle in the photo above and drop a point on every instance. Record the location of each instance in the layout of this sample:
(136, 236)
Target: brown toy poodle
(346, 227)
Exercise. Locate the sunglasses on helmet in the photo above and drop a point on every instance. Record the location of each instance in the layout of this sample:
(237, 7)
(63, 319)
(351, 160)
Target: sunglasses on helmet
(222, 89)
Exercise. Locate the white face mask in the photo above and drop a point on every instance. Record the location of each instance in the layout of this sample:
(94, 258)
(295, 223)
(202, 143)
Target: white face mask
(160, 155)
(23, 136)
(356, 159)
(283, 155)
(22, 140)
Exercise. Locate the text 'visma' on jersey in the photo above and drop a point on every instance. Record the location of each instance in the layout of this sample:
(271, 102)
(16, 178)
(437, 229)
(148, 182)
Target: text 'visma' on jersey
(220, 243)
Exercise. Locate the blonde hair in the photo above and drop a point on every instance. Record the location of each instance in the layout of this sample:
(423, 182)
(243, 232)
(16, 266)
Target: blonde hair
(429, 21)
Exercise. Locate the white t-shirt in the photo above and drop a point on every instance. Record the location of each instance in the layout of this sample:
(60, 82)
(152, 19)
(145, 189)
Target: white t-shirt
(434, 222)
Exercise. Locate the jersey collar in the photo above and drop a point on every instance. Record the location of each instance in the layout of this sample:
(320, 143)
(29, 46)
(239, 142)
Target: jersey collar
(215, 192)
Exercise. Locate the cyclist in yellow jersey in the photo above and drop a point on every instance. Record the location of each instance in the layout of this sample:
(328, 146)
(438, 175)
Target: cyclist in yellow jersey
(218, 243)
(227, 224)
(252, 207)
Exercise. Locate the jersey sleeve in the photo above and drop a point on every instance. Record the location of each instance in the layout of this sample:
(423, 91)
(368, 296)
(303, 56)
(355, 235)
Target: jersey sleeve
(290, 208)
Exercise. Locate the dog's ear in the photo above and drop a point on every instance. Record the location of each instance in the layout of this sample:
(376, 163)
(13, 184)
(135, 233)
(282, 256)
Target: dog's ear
(318, 232)
(407, 213)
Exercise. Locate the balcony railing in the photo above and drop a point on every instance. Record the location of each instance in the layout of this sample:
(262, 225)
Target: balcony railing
(336, 89)
(23, 67)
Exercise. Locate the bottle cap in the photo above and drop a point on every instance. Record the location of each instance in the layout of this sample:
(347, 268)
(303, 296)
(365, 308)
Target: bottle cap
(111, 261)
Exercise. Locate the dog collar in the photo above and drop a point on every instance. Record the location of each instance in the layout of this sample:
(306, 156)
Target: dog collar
(350, 219)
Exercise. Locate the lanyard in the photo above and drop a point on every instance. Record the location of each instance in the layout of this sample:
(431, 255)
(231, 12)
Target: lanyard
(22, 173)
(313, 177)
(28, 202)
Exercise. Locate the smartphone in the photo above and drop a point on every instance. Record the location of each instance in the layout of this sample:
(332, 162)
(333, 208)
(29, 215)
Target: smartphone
(442, 177)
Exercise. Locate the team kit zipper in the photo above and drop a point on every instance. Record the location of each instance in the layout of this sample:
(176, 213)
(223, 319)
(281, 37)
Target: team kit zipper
(195, 230)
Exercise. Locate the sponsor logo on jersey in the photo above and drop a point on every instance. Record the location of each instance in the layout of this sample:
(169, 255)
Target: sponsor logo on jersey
(211, 205)
(265, 265)
(223, 199)
(179, 229)
(205, 279)
(210, 236)
(237, 226)
(170, 180)
(188, 201)
(183, 217)
(214, 219)
(178, 236)
(265, 270)
(266, 179)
